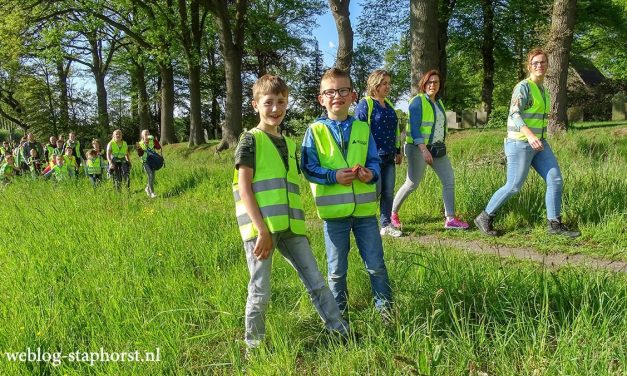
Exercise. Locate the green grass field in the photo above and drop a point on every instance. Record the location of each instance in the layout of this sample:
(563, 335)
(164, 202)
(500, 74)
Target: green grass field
(85, 269)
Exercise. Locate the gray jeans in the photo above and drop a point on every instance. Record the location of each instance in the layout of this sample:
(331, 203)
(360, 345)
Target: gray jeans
(416, 166)
(298, 253)
(151, 178)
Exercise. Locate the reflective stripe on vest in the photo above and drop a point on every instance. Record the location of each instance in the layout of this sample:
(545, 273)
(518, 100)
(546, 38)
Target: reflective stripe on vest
(94, 166)
(117, 151)
(427, 121)
(535, 117)
(276, 190)
(151, 146)
(337, 200)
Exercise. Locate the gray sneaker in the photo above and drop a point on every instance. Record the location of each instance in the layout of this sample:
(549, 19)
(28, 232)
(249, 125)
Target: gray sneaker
(484, 224)
(556, 227)
(391, 231)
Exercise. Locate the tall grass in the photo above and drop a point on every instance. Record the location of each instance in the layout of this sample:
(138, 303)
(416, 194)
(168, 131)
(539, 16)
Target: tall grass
(83, 269)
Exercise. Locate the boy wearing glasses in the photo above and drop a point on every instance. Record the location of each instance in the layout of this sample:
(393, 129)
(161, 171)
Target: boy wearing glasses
(339, 157)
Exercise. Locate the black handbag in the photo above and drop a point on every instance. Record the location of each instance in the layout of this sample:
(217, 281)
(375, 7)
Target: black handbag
(437, 150)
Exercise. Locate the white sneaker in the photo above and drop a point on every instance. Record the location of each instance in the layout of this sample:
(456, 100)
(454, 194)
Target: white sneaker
(391, 231)
(152, 195)
(147, 191)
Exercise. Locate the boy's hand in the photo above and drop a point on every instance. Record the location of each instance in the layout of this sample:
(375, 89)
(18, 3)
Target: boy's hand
(364, 175)
(345, 176)
(398, 158)
(263, 246)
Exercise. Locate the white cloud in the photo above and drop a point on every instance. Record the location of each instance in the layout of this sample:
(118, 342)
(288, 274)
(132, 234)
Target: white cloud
(331, 44)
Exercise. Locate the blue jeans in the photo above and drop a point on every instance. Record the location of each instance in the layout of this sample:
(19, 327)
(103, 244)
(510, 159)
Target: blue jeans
(385, 188)
(298, 253)
(337, 239)
(521, 156)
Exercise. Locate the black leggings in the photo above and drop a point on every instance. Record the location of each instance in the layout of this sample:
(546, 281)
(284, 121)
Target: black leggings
(121, 174)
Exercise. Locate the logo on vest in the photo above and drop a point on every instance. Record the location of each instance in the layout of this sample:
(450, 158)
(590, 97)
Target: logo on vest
(359, 142)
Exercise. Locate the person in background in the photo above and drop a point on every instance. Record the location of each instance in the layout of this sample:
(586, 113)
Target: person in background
(60, 171)
(426, 136)
(75, 145)
(379, 113)
(148, 142)
(119, 160)
(7, 169)
(70, 161)
(34, 164)
(5, 150)
(49, 149)
(94, 167)
(526, 146)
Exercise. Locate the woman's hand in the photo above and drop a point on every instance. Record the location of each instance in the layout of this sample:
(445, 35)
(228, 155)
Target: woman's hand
(536, 143)
(426, 154)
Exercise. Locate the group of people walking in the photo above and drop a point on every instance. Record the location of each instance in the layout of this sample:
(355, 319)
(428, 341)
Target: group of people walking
(350, 163)
(62, 160)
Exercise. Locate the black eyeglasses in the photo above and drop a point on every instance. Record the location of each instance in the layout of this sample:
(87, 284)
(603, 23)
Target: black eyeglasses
(344, 91)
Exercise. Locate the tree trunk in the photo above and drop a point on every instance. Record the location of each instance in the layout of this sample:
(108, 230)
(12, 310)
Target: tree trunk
(196, 134)
(424, 39)
(445, 11)
(487, 50)
(143, 103)
(103, 104)
(344, 57)
(64, 107)
(167, 104)
(231, 35)
(558, 49)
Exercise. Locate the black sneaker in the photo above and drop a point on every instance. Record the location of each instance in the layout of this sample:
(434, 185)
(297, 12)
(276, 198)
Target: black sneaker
(484, 224)
(556, 227)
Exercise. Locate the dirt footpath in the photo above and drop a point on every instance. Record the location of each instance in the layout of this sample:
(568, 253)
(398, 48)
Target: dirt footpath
(554, 260)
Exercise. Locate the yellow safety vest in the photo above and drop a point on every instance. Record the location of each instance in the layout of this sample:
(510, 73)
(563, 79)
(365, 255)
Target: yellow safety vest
(536, 117)
(151, 146)
(427, 121)
(94, 166)
(276, 190)
(118, 152)
(61, 172)
(337, 200)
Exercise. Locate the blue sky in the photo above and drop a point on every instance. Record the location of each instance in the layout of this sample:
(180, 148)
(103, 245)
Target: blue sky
(326, 32)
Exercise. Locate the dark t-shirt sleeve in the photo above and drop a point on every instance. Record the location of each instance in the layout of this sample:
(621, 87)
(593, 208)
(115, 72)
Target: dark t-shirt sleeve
(245, 151)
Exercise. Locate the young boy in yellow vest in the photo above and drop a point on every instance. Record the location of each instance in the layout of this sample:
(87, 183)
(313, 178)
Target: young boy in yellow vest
(60, 171)
(270, 213)
(70, 161)
(7, 169)
(339, 157)
(94, 167)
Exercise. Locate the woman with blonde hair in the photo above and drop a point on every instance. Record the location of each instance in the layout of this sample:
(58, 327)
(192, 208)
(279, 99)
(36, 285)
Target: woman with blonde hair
(378, 111)
(526, 147)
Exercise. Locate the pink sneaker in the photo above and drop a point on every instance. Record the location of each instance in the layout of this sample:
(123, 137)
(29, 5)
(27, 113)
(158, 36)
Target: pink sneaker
(396, 222)
(455, 224)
